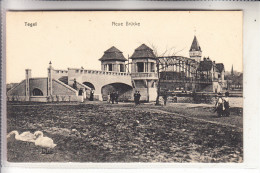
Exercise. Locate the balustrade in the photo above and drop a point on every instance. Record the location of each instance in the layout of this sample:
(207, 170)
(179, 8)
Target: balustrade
(144, 75)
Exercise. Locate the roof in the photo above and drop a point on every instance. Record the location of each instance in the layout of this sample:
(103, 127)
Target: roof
(220, 67)
(205, 65)
(113, 54)
(143, 51)
(195, 45)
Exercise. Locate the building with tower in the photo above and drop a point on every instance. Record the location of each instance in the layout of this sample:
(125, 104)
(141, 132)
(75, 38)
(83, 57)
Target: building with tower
(143, 72)
(176, 73)
(195, 50)
(194, 74)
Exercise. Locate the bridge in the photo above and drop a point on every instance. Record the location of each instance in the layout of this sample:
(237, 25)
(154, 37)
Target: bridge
(182, 73)
(102, 82)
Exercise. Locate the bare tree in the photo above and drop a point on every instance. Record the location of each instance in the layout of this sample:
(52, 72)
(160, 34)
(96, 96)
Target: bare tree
(167, 52)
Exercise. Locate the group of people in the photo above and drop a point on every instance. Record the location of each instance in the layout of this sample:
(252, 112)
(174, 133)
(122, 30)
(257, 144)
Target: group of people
(222, 105)
(137, 97)
(113, 97)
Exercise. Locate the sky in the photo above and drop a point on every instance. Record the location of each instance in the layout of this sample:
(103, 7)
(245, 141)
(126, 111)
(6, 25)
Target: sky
(79, 39)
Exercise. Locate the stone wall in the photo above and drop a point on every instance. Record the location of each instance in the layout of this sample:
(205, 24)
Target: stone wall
(59, 88)
(39, 83)
(18, 90)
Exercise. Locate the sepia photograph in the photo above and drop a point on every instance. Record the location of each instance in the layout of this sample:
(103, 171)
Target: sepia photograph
(124, 86)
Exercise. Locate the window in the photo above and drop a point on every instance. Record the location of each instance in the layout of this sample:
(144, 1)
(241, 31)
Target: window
(140, 67)
(80, 92)
(109, 67)
(37, 92)
(152, 67)
(122, 69)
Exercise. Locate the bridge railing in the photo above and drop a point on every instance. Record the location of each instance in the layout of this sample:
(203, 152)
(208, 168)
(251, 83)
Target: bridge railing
(188, 80)
(144, 75)
(83, 71)
(61, 71)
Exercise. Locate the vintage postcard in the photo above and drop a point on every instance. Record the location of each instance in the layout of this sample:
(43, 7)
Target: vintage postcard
(124, 86)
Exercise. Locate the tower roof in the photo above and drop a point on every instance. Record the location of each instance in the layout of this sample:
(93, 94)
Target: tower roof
(113, 54)
(195, 45)
(143, 51)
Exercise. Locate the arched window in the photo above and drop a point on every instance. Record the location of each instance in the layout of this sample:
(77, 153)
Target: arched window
(37, 92)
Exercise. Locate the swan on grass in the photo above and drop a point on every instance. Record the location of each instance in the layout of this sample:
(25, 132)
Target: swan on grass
(45, 142)
(25, 136)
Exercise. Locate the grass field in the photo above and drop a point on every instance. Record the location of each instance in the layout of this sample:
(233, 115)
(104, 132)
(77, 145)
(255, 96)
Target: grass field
(100, 132)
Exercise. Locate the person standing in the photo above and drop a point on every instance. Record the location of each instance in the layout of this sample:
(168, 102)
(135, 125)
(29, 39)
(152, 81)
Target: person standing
(112, 97)
(116, 97)
(165, 98)
(219, 105)
(138, 97)
(91, 98)
(226, 104)
(108, 97)
(135, 97)
(175, 98)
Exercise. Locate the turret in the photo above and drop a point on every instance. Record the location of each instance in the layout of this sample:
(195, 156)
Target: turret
(143, 72)
(195, 50)
(113, 60)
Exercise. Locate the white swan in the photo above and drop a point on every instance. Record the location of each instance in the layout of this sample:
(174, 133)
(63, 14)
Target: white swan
(43, 141)
(25, 136)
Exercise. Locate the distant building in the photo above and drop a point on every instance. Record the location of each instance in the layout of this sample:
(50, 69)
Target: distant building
(192, 74)
(234, 80)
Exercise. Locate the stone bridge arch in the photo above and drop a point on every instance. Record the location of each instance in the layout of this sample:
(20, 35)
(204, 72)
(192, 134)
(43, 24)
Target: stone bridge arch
(124, 90)
(98, 79)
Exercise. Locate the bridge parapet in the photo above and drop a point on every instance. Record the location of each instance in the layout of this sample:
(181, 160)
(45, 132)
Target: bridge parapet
(144, 75)
(60, 71)
(83, 71)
